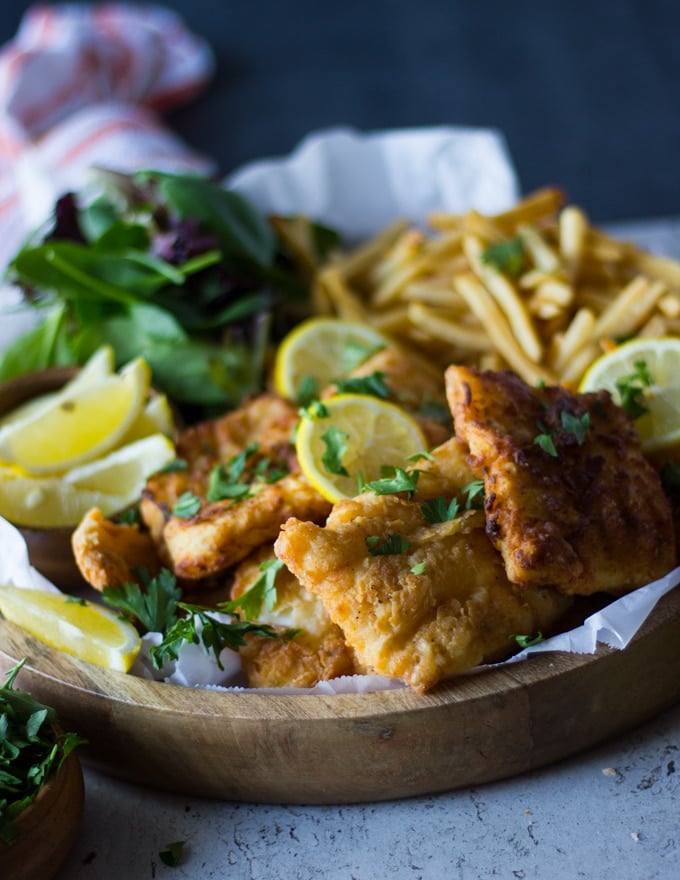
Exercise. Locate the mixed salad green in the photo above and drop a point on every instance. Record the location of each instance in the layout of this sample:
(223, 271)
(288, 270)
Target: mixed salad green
(176, 268)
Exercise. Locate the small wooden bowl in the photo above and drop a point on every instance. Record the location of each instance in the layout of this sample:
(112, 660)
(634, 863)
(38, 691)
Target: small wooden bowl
(48, 828)
(49, 550)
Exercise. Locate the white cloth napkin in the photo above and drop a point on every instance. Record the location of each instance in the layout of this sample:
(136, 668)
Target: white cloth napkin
(82, 86)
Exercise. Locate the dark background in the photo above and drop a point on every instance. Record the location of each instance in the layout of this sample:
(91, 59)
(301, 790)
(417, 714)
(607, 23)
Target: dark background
(586, 93)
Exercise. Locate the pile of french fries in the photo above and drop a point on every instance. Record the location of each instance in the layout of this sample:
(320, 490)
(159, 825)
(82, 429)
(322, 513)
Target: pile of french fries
(574, 293)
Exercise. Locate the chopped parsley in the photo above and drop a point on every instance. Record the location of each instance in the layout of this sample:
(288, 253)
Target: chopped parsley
(419, 568)
(392, 481)
(30, 751)
(437, 510)
(373, 385)
(316, 409)
(187, 505)
(262, 594)
(354, 353)
(546, 442)
(392, 545)
(578, 426)
(474, 495)
(307, 390)
(174, 466)
(508, 256)
(172, 854)
(235, 479)
(632, 387)
(336, 447)
(151, 604)
(201, 627)
(527, 641)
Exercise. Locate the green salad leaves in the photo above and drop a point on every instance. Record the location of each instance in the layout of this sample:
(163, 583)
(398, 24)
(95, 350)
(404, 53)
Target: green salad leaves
(174, 267)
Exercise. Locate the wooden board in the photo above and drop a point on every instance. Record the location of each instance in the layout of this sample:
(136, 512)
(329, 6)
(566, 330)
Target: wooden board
(274, 748)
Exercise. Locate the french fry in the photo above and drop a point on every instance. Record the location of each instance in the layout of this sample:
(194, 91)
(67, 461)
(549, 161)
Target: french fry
(438, 326)
(567, 292)
(630, 308)
(485, 307)
(505, 295)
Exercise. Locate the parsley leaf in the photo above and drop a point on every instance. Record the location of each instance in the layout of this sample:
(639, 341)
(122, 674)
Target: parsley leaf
(474, 495)
(336, 447)
(419, 568)
(187, 505)
(29, 751)
(632, 387)
(545, 440)
(393, 544)
(437, 510)
(307, 390)
(576, 425)
(373, 385)
(153, 603)
(262, 594)
(178, 464)
(506, 256)
(172, 854)
(527, 641)
(201, 627)
(393, 481)
(355, 352)
(316, 409)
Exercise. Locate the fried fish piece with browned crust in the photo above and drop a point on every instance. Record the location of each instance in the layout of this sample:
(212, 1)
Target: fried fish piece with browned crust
(571, 501)
(108, 554)
(416, 601)
(249, 445)
(317, 652)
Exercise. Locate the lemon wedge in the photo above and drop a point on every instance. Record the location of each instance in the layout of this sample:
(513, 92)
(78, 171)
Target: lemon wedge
(96, 368)
(125, 470)
(156, 418)
(82, 629)
(77, 425)
(354, 436)
(110, 483)
(650, 366)
(322, 350)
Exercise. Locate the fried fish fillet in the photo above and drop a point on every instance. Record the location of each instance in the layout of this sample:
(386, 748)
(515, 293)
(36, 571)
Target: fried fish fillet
(317, 652)
(222, 532)
(428, 602)
(108, 554)
(571, 502)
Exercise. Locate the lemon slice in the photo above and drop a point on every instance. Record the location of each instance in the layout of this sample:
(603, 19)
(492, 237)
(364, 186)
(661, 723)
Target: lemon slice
(366, 432)
(322, 350)
(110, 483)
(78, 426)
(82, 629)
(653, 366)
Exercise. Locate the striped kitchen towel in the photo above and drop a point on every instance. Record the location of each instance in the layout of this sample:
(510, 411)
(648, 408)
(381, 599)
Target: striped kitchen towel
(83, 86)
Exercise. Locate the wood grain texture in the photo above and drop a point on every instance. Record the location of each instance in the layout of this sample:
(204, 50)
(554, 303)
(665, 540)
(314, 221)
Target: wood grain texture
(269, 748)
